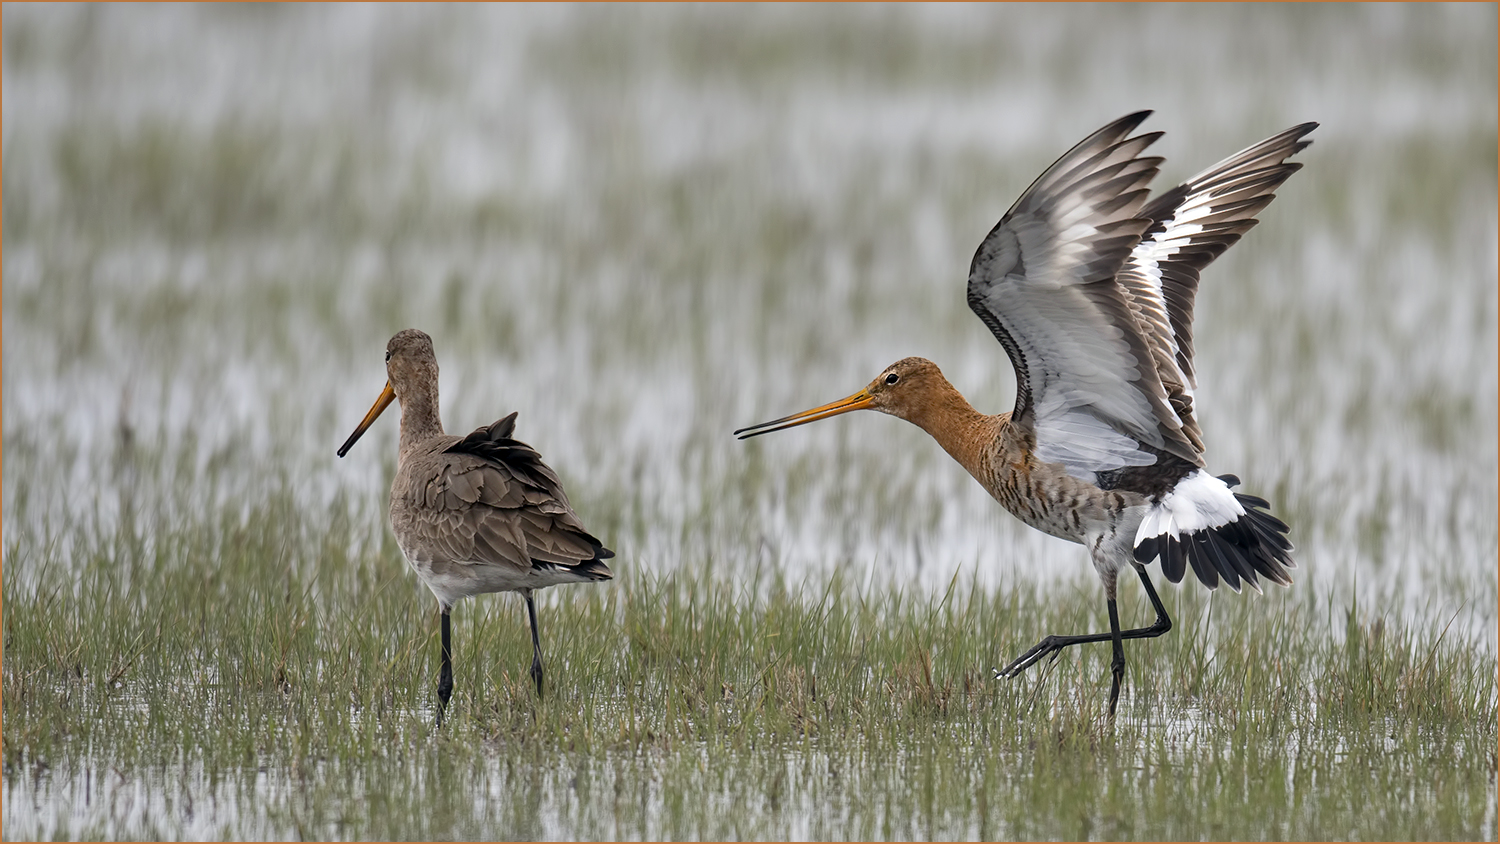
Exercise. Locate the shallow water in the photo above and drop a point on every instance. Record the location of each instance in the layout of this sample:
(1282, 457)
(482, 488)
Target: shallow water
(646, 227)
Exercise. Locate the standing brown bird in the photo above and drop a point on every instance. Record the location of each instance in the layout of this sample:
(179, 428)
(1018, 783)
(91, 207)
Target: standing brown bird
(475, 514)
(1090, 289)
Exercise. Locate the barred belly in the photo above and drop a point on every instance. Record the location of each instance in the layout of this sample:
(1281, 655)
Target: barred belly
(1047, 498)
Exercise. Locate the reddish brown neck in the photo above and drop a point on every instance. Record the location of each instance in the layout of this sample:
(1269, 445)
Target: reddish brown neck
(963, 432)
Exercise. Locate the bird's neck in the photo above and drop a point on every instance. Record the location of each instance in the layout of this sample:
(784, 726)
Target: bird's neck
(419, 419)
(963, 432)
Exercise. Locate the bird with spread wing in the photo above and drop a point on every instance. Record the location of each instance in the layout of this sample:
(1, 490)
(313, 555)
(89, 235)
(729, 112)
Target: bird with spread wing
(1090, 287)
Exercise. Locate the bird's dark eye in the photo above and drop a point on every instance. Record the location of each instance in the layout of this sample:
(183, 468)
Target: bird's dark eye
(387, 355)
(892, 378)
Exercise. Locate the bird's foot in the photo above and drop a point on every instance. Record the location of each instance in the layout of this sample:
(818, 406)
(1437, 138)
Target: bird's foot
(1050, 646)
(1117, 672)
(445, 693)
(536, 674)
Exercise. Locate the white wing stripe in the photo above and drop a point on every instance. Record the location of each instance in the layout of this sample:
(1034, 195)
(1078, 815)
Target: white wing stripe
(1096, 314)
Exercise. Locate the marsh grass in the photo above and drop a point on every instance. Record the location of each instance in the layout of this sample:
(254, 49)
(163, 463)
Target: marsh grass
(251, 657)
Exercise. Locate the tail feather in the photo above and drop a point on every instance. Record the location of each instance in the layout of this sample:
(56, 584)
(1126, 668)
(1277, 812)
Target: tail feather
(1221, 534)
(595, 569)
(584, 570)
(1200, 555)
(1174, 561)
(1221, 552)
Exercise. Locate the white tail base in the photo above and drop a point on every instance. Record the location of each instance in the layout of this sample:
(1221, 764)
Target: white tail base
(1200, 501)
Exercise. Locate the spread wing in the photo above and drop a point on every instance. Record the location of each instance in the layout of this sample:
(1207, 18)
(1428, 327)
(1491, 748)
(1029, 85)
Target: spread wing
(1044, 283)
(1191, 225)
(489, 498)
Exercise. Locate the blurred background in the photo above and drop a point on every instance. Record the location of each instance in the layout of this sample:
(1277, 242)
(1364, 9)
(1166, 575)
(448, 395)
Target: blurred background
(644, 227)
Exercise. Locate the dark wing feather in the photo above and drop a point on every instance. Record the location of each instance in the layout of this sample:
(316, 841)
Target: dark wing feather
(523, 496)
(489, 498)
(1191, 225)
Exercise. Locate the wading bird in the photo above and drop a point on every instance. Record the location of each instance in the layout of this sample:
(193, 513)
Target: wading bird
(475, 514)
(1090, 289)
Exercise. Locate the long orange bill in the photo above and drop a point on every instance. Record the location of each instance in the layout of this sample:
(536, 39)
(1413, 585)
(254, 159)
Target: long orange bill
(858, 401)
(386, 397)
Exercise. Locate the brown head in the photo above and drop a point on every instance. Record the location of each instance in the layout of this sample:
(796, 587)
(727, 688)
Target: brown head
(910, 388)
(411, 372)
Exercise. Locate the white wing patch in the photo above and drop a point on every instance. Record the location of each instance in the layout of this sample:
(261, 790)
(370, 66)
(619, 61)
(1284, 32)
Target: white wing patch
(1195, 223)
(1146, 262)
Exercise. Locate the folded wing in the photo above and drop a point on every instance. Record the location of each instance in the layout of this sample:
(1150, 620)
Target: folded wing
(489, 498)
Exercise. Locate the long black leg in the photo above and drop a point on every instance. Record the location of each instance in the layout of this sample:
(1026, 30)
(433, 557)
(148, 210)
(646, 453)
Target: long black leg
(445, 676)
(536, 644)
(1053, 645)
(1116, 665)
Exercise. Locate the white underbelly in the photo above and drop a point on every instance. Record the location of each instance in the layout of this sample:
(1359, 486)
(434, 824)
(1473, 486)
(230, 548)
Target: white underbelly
(451, 581)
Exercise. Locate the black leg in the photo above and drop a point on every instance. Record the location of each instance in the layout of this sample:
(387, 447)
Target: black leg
(1162, 623)
(1117, 665)
(445, 677)
(1053, 645)
(536, 644)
